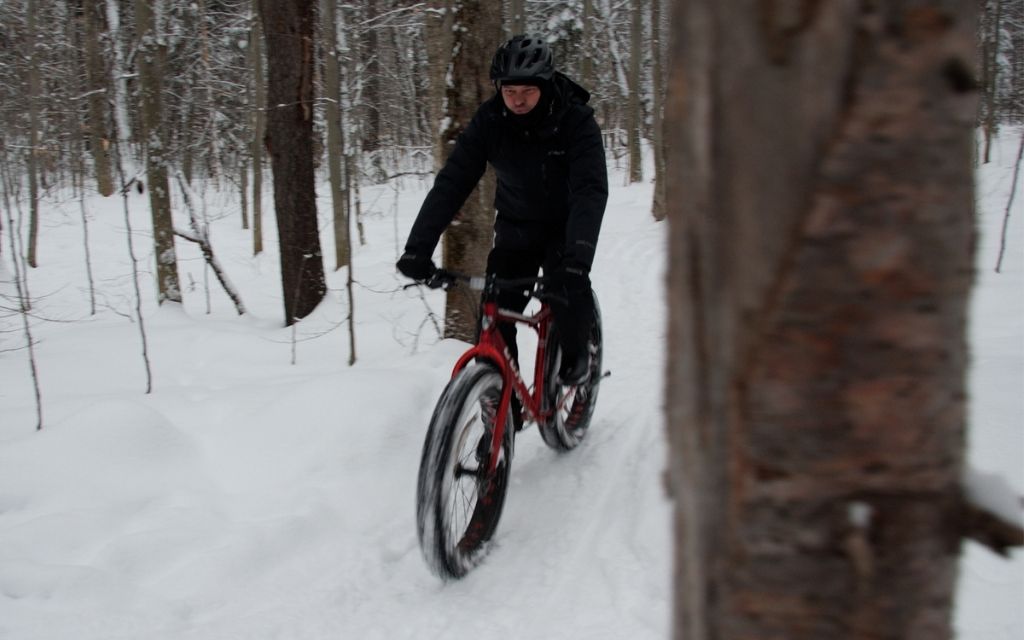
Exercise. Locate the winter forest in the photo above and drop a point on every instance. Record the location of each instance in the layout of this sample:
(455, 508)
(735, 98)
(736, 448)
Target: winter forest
(214, 387)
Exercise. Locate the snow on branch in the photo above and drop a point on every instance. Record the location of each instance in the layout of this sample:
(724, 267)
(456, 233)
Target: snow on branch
(994, 512)
(199, 235)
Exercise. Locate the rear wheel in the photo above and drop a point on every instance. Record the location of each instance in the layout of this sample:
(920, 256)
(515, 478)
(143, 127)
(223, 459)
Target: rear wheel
(571, 407)
(458, 501)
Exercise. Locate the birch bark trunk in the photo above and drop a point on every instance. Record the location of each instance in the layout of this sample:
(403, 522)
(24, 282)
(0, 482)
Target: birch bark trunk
(151, 53)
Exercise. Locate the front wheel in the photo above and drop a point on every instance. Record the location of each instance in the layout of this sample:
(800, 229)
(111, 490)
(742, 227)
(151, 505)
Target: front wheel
(571, 407)
(458, 502)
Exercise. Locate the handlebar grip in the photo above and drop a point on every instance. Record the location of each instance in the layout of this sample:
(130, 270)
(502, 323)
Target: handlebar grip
(440, 279)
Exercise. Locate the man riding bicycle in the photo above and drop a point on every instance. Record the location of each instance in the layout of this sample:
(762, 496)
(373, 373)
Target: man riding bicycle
(552, 186)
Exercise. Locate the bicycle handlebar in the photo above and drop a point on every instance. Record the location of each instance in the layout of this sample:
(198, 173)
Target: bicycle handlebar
(445, 279)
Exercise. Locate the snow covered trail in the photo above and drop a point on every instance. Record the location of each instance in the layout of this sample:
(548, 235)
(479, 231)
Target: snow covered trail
(583, 546)
(584, 540)
(250, 498)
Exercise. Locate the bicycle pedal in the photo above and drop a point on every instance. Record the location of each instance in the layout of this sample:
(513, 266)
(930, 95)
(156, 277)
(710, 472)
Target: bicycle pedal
(604, 375)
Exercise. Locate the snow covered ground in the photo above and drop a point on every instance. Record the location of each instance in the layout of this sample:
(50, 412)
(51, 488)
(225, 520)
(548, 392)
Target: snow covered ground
(249, 497)
(992, 589)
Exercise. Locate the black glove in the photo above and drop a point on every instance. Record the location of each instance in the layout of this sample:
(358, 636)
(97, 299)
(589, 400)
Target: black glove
(571, 278)
(573, 307)
(416, 267)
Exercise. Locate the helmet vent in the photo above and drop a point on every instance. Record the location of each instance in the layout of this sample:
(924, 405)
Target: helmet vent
(523, 57)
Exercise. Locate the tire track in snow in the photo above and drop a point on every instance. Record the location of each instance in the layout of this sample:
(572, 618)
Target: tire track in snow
(597, 515)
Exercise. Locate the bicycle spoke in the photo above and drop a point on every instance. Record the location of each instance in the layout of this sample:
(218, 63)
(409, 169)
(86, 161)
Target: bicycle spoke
(564, 399)
(469, 471)
(461, 471)
(468, 501)
(459, 519)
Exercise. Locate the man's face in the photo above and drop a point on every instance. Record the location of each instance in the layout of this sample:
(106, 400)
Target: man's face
(520, 98)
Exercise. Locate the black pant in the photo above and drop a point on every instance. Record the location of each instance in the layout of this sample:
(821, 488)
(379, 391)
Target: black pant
(573, 307)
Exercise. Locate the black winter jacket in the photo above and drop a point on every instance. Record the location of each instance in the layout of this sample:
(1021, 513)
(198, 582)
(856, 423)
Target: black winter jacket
(552, 181)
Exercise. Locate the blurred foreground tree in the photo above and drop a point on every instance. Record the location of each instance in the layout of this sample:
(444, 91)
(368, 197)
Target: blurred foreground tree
(822, 235)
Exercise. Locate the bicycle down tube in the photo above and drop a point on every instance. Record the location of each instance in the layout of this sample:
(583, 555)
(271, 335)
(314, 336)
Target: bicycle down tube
(491, 347)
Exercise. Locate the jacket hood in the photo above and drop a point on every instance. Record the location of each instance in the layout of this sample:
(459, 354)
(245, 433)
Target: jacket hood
(568, 91)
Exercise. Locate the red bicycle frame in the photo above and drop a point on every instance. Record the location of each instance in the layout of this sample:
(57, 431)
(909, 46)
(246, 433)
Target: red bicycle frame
(491, 346)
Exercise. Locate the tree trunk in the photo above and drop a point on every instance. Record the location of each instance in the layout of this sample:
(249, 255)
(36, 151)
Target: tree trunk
(636, 117)
(821, 259)
(34, 152)
(243, 188)
(440, 20)
(990, 66)
(372, 81)
(186, 143)
(21, 290)
(658, 204)
(516, 17)
(348, 68)
(476, 33)
(335, 138)
(152, 51)
(96, 86)
(259, 119)
(1009, 206)
(207, 130)
(289, 138)
(119, 80)
(587, 39)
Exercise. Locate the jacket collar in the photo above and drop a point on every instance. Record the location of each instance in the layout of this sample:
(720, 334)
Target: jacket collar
(564, 95)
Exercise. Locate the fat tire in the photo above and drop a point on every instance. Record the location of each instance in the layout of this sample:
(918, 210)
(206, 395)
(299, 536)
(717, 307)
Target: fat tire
(571, 408)
(453, 442)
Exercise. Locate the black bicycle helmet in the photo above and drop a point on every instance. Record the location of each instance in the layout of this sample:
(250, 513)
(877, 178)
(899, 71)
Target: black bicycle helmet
(525, 57)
